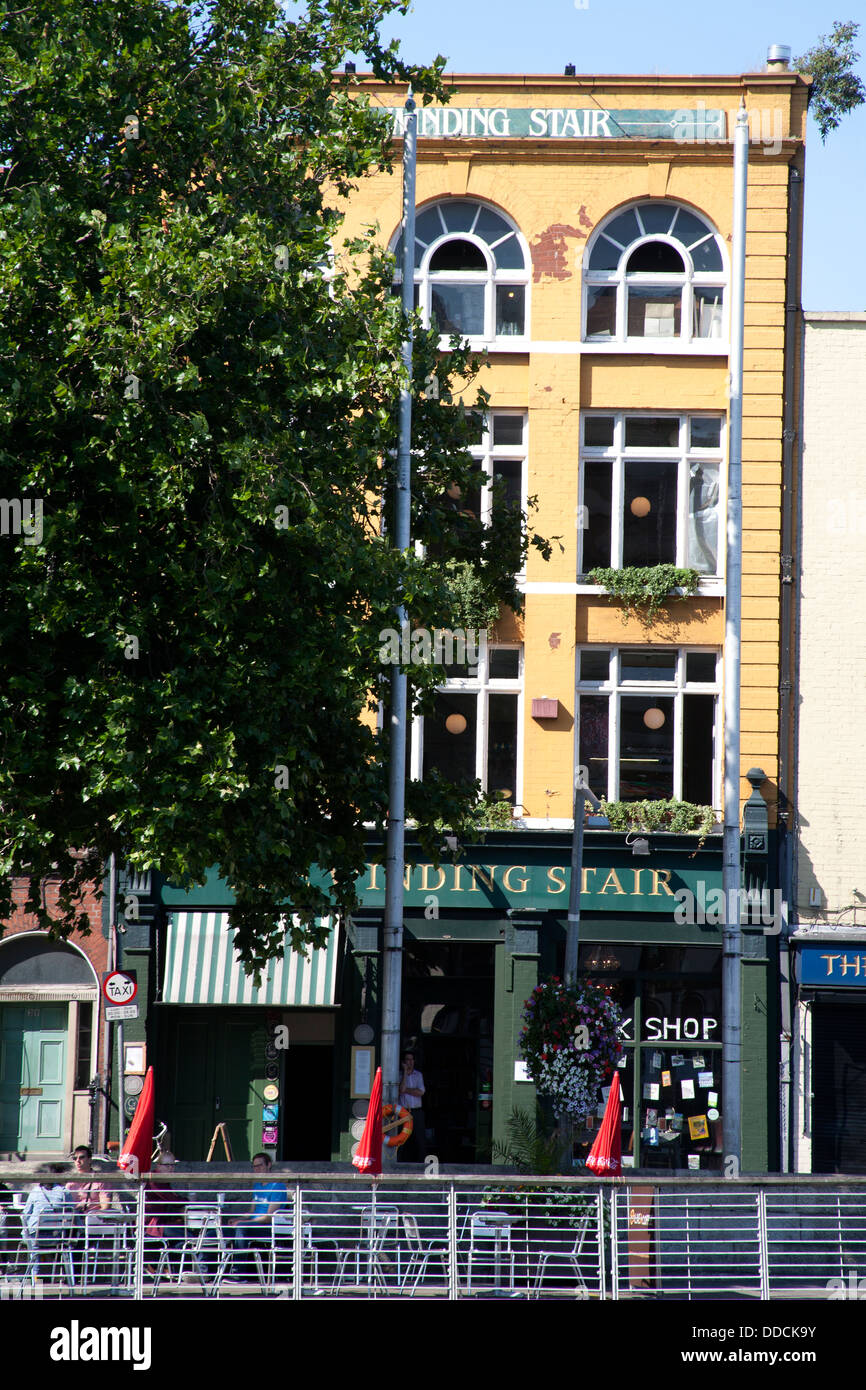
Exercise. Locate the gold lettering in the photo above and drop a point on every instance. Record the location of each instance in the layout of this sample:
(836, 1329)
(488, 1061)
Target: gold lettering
(637, 873)
(558, 882)
(512, 869)
(584, 881)
(407, 877)
(486, 879)
(457, 886)
(662, 876)
(612, 878)
(829, 960)
(426, 885)
(373, 886)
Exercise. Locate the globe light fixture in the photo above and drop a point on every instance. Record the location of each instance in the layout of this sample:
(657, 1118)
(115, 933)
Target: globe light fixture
(639, 506)
(654, 718)
(455, 724)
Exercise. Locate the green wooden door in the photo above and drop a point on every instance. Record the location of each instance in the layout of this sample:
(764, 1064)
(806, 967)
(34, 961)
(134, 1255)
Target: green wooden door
(214, 1072)
(33, 1050)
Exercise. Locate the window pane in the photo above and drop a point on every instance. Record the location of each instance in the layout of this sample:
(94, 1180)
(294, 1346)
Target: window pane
(707, 256)
(451, 754)
(511, 473)
(698, 722)
(475, 421)
(598, 430)
(639, 665)
(705, 434)
(656, 258)
(83, 1045)
(654, 313)
(507, 429)
(595, 664)
(458, 309)
(688, 229)
(646, 755)
(605, 256)
(703, 537)
(502, 746)
(665, 1139)
(427, 228)
(504, 663)
(600, 311)
(458, 255)
(491, 225)
(508, 254)
(593, 744)
(624, 229)
(656, 217)
(510, 310)
(700, 666)
(459, 216)
(707, 321)
(652, 431)
(649, 527)
(595, 529)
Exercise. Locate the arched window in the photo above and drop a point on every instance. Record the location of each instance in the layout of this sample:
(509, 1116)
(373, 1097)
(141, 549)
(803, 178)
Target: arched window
(470, 271)
(655, 273)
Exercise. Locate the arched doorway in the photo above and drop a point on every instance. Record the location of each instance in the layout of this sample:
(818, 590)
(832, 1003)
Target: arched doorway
(48, 996)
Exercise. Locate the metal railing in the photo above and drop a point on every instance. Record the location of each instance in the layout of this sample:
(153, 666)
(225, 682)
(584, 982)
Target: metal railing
(444, 1237)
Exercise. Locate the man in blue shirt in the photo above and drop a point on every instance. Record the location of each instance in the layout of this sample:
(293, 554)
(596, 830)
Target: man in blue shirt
(254, 1228)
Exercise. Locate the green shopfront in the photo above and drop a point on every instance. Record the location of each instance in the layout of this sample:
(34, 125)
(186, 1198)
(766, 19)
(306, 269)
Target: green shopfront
(282, 1066)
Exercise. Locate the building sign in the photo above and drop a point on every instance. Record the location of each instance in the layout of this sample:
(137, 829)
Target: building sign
(539, 887)
(562, 123)
(836, 967)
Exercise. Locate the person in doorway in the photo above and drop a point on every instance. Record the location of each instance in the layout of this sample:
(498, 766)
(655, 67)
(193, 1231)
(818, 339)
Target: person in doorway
(412, 1097)
(254, 1226)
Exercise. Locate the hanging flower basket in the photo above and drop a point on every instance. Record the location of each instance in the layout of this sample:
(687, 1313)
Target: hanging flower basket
(570, 1043)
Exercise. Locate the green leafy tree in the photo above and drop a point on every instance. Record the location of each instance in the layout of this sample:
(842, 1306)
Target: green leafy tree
(836, 90)
(198, 394)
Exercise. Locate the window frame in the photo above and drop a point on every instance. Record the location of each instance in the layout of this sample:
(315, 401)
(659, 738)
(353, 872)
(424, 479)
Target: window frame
(684, 454)
(687, 281)
(616, 688)
(482, 686)
(492, 279)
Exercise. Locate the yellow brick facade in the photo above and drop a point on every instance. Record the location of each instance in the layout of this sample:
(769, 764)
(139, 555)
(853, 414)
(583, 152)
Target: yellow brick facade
(556, 192)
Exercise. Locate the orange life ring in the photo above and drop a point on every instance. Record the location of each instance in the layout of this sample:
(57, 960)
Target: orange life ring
(402, 1118)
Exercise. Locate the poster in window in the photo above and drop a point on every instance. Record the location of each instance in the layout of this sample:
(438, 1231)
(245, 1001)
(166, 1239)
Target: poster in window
(698, 1127)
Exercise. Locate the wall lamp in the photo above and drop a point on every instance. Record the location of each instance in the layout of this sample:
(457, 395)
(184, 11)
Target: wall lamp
(638, 845)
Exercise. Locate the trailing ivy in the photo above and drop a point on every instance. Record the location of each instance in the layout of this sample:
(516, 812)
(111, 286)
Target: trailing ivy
(675, 817)
(643, 589)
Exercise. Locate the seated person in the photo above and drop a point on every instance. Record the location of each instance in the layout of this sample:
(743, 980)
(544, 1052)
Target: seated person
(253, 1227)
(164, 1207)
(43, 1235)
(91, 1196)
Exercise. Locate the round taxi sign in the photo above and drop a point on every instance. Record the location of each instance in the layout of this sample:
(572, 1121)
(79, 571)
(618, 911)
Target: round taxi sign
(119, 988)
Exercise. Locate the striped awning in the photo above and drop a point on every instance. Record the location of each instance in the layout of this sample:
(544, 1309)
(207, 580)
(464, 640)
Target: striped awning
(201, 967)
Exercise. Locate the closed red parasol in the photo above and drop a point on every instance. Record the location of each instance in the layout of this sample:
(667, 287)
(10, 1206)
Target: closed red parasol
(369, 1156)
(138, 1144)
(605, 1156)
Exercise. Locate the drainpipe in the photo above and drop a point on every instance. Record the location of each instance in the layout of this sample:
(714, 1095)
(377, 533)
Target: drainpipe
(392, 983)
(732, 937)
(791, 445)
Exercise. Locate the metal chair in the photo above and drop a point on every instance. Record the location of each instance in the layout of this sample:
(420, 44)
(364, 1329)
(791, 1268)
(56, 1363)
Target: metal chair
(572, 1257)
(101, 1230)
(490, 1243)
(370, 1247)
(203, 1236)
(51, 1236)
(421, 1255)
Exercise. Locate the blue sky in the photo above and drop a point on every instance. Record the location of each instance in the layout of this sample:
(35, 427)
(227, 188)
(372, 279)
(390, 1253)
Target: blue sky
(611, 36)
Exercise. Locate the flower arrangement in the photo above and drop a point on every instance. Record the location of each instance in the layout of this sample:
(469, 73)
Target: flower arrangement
(570, 1043)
